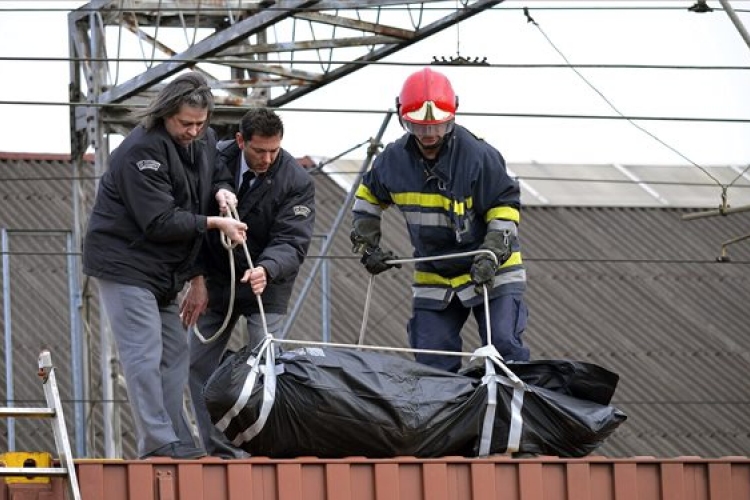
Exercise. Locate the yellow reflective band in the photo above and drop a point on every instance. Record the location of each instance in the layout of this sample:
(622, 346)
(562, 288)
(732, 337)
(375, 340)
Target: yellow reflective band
(514, 260)
(364, 193)
(505, 213)
(425, 278)
(432, 201)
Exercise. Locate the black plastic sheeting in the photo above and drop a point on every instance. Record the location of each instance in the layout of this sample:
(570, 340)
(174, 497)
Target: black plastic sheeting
(338, 402)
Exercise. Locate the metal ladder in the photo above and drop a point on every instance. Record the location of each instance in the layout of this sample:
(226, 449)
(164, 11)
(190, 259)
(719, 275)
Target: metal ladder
(54, 412)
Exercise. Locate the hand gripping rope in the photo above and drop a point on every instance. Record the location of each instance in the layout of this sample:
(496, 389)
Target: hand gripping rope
(230, 245)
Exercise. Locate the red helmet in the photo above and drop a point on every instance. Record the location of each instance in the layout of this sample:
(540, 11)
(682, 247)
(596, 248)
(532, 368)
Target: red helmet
(427, 104)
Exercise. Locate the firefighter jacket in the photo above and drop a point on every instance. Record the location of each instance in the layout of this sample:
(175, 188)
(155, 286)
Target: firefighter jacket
(449, 205)
(279, 210)
(148, 221)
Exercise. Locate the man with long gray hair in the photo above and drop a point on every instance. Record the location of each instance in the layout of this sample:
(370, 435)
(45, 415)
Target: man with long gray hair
(144, 232)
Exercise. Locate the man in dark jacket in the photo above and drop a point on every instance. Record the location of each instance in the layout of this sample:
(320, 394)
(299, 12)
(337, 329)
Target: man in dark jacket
(457, 197)
(144, 232)
(277, 202)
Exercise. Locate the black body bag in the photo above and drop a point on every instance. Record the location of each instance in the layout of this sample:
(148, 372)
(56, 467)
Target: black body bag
(336, 402)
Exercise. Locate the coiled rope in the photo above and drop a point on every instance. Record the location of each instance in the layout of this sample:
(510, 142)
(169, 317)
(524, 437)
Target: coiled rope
(227, 243)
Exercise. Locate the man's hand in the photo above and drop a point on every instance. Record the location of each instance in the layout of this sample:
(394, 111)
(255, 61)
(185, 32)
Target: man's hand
(194, 302)
(257, 278)
(374, 259)
(235, 230)
(225, 198)
(482, 272)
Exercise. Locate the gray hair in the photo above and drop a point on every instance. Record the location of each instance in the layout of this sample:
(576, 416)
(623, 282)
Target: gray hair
(191, 89)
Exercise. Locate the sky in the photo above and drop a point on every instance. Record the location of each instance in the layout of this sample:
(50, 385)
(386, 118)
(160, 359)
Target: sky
(569, 32)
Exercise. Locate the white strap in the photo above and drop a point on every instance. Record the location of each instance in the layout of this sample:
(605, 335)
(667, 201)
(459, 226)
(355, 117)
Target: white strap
(249, 384)
(269, 397)
(491, 379)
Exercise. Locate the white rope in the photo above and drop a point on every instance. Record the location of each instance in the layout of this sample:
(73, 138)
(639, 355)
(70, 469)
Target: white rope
(482, 251)
(366, 312)
(230, 245)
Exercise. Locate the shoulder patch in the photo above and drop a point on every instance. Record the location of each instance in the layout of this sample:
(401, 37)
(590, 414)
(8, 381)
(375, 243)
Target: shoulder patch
(148, 165)
(301, 210)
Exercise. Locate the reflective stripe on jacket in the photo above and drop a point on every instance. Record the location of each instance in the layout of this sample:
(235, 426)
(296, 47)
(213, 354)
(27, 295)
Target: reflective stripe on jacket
(448, 207)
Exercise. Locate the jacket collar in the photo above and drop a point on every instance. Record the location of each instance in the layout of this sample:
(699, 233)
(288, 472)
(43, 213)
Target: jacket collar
(441, 166)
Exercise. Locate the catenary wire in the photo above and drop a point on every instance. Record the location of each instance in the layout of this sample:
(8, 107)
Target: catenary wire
(446, 8)
(217, 60)
(382, 111)
(315, 170)
(526, 259)
(615, 108)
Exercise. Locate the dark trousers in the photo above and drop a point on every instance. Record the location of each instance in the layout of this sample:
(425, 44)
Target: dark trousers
(441, 330)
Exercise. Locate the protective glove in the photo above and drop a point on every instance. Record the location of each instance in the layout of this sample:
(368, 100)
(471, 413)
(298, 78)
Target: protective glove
(499, 243)
(374, 259)
(365, 233)
(482, 272)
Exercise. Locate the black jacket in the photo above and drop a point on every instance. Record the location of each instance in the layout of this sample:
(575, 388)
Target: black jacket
(279, 211)
(148, 220)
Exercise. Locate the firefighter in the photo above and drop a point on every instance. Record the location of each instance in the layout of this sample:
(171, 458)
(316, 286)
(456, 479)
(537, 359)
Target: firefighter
(456, 196)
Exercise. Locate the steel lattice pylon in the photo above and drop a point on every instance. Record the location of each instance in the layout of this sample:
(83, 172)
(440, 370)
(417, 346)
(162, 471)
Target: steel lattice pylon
(249, 50)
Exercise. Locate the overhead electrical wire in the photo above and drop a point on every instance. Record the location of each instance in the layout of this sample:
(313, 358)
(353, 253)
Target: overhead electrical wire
(527, 259)
(631, 120)
(316, 170)
(609, 103)
(219, 60)
(214, 9)
(382, 111)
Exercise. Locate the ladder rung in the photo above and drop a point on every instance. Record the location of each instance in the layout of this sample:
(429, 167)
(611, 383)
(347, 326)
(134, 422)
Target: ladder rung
(27, 412)
(33, 471)
(53, 411)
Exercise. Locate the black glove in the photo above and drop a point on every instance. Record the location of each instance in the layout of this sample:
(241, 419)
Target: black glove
(499, 243)
(482, 272)
(365, 233)
(374, 260)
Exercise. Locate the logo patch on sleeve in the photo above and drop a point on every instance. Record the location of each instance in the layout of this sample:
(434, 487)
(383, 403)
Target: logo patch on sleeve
(148, 165)
(301, 210)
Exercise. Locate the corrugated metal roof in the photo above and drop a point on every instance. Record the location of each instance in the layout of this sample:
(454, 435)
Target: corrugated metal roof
(636, 290)
(611, 185)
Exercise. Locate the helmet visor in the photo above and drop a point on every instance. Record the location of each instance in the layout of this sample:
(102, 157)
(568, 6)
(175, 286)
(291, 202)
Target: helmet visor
(428, 129)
